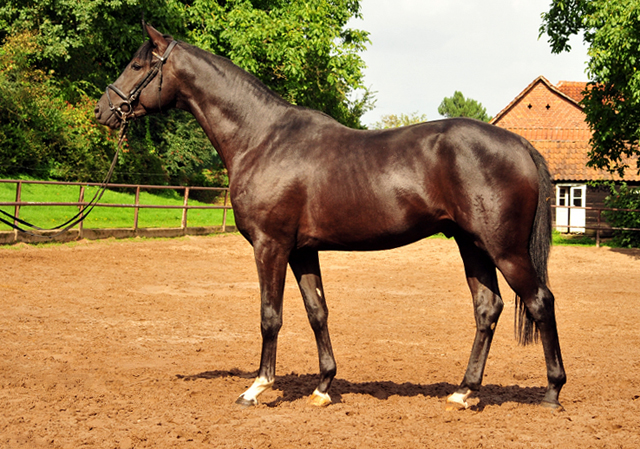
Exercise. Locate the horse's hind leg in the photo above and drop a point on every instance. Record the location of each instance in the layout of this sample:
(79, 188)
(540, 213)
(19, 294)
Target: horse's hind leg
(481, 277)
(306, 268)
(539, 303)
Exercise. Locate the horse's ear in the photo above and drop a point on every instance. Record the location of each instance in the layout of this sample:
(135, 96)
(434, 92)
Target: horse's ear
(158, 41)
(144, 28)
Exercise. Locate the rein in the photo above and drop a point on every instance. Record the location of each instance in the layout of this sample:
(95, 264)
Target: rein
(36, 231)
(125, 112)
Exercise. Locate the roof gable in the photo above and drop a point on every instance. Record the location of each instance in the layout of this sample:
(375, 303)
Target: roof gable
(552, 119)
(541, 105)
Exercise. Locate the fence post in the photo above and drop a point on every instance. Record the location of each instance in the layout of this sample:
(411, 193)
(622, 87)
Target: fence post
(224, 211)
(184, 210)
(136, 210)
(16, 211)
(598, 230)
(81, 207)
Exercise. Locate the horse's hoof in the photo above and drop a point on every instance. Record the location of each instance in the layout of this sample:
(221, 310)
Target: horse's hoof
(319, 399)
(246, 403)
(455, 406)
(553, 406)
(457, 401)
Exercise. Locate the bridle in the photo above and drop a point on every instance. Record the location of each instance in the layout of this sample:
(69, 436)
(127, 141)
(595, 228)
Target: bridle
(125, 111)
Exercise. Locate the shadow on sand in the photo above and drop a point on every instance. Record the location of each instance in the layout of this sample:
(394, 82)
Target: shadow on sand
(634, 253)
(296, 386)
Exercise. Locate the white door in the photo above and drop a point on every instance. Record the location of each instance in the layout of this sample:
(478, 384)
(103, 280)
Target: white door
(562, 213)
(578, 217)
(571, 219)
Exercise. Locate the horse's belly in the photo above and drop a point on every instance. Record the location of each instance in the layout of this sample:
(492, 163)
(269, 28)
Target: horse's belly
(357, 231)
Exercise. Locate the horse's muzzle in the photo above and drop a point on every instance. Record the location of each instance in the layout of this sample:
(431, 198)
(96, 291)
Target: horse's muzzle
(105, 116)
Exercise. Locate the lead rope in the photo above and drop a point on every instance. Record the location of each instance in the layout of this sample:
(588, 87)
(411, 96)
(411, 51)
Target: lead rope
(36, 231)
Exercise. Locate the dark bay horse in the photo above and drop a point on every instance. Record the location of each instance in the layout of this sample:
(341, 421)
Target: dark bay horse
(300, 183)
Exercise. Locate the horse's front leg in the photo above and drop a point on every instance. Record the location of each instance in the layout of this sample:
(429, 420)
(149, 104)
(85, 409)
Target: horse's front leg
(306, 268)
(487, 303)
(271, 260)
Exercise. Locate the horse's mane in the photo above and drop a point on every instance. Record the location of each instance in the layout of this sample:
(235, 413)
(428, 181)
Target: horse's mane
(229, 68)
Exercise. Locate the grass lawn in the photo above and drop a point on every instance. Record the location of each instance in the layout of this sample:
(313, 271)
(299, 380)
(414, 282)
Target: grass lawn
(107, 217)
(575, 240)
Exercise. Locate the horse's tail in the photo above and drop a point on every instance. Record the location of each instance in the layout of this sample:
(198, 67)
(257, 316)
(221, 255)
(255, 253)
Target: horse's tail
(539, 247)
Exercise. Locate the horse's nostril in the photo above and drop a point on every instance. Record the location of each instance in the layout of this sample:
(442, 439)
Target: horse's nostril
(96, 110)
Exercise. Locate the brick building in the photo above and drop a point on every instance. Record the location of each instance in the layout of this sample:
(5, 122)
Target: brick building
(551, 118)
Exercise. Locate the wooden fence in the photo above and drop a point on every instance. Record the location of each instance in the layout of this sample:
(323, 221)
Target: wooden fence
(601, 225)
(81, 232)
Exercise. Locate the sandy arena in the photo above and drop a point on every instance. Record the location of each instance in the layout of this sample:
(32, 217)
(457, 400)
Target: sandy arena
(147, 344)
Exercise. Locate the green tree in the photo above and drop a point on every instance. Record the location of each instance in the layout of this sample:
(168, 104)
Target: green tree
(42, 134)
(624, 197)
(79, 48)
(87, 43)
(459, 106)
(612, 99)
(395, 121)
(300, 49)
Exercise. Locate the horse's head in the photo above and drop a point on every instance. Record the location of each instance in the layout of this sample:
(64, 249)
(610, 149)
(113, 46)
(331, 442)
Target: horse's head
(142, 88)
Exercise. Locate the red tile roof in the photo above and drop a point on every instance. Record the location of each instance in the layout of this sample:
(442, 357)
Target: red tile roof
(573, 89)
(551, 118)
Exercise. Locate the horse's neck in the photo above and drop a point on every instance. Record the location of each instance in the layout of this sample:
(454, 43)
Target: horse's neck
(233, 112)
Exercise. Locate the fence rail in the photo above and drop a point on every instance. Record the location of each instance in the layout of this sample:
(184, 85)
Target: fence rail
(600, 223)
(81, 203)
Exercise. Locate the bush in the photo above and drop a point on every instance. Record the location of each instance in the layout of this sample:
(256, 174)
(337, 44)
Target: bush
(624, 198)
(171, 148)
(41, 134)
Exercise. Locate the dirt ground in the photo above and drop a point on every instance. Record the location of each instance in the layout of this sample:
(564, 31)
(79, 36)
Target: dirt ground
(147, 344)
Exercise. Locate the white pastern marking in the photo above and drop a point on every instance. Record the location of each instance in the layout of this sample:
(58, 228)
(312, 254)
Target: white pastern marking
(460, 398)
(319, 292)
(320, 399)
(260, 385)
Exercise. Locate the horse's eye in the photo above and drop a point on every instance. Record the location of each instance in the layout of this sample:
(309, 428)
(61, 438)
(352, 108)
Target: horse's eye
(136, 66)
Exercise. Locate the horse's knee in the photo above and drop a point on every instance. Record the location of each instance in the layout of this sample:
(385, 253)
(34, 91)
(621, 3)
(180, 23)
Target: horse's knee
(270, 329)
(317, 319)
(328, 367)
(271, 322)
(557, 378)
(488, 309)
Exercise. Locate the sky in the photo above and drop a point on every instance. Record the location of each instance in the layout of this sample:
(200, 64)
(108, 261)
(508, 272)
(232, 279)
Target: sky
(422, 51)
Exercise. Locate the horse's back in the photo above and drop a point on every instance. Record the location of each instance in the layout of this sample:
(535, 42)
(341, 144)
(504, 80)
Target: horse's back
(411, 182)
